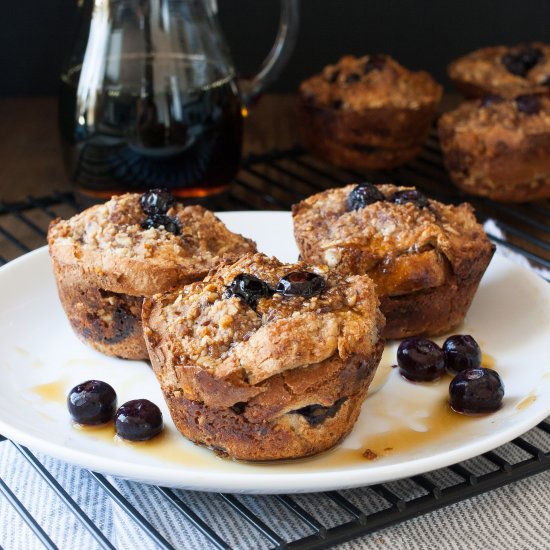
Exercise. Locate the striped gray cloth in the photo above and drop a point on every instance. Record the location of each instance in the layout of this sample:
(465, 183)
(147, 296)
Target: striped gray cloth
(513, 517)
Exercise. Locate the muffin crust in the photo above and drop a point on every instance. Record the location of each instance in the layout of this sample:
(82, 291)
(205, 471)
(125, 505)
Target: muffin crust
(496, 149)
(368, 112)
(240, 379)
(105, 262)
(426, 262)
(483, 72)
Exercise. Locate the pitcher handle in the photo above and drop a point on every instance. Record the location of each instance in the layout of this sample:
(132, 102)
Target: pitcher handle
(278, 56)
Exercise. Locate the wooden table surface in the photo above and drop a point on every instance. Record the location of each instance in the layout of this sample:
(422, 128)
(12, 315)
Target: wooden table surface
(30, 153)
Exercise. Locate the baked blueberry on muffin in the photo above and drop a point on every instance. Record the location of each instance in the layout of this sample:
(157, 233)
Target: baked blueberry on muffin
(499, 148)
(426, 258)
(368, 112)
(503, 70)
(264, 360)
(108, 257)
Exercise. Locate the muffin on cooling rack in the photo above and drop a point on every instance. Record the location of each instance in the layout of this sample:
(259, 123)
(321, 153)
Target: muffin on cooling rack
(264, 360)
(503, 70)
(426, 258)
(108, 257)
(368, 112)
(499, 148)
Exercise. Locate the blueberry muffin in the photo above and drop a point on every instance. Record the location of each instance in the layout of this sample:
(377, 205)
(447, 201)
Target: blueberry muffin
(499, 148)
(426, 258)
(264, 360)
(108, 257)
(368, 112)
(506, 71)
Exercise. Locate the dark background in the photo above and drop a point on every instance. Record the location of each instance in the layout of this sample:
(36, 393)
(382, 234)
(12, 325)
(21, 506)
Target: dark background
(35, 35)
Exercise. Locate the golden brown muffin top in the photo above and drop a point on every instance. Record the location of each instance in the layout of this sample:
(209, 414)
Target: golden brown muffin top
(509, 71)
(528, 113)
(376, 236)
(368, 82)
(109, 239)
(210, 326)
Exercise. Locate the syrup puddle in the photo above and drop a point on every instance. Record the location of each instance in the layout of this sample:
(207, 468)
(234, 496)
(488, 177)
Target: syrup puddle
(52, 391)
(421, 420)
(441, 421)
(164, 446)
(526, 401)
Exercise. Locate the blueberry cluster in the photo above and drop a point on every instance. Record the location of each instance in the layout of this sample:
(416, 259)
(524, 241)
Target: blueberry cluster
(473, 390)
(528, 104)
(367, 193)
(156, 203)
(297, 283)
(95, 402)
(520, 61)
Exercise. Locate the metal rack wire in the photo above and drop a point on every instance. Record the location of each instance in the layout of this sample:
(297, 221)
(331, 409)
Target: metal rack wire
(274, 181)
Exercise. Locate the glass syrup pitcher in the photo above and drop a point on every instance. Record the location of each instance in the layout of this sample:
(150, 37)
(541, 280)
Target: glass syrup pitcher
(150, 97)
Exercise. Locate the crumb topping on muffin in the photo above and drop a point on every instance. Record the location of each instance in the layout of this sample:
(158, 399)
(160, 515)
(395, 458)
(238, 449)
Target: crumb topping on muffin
(369, 82)
(511, 71)
(527, 113)
(115, 228)
(383, 230)
(228, 337)
(499, 147)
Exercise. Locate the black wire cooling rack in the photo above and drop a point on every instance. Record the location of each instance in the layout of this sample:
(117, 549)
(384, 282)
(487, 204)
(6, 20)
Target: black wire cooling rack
(274, 181)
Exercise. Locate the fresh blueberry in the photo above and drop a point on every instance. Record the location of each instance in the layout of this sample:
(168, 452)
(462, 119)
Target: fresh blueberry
(420, 359)
(364, 194)
(138, 420)
(301, 283)
(514, 64)
(162, 220)
(521, 60)
(528, 104)
(410, 195)
(157, 201)
(474, 391)
(92, 402)
(461, 352)
(248, 288)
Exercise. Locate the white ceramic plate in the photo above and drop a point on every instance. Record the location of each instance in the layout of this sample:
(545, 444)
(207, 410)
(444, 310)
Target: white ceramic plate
(408, 426)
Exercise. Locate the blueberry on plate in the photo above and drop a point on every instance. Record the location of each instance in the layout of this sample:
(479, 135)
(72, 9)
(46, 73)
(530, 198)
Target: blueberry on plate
(92, 402)
(461, 352)
(138, 420)
(420, 359)
(476, 391)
